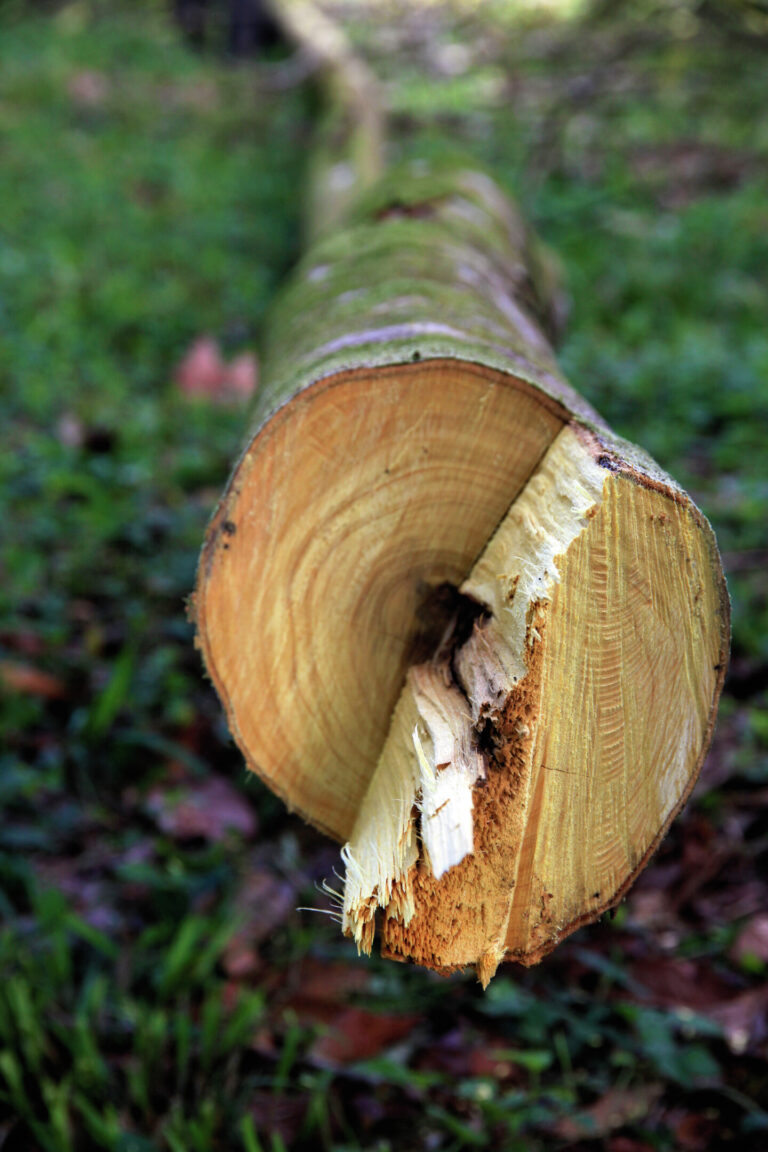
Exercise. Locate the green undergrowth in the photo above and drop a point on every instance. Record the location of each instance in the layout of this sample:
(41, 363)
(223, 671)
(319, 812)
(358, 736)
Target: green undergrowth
(161, 987)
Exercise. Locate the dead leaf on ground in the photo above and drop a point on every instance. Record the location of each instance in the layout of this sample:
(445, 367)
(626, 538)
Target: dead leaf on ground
(629, 1144)
(691, 985)
(353, 1033)
(263, 902)
(203, 372)
(28, 680)
(617, 1108)
(202, 95)
(674, 982)
(695, 1132)
(752, 941)
(736, 900)
(242, 376)
(88, 88)
(357, 1034)
(463, 1053)
(206, 809)
(744, 1019)
(278, 1115)
(686, 169)
(70, 431)
(323, 986)
(87, 889)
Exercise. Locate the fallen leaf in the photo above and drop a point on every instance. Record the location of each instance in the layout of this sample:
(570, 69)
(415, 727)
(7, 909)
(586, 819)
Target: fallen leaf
(88, 88)
(628, 1144)
(744, 1019)
(202, 95)
(696, 1133)
(691, 985)
(752, 941)
(23, 640)
(30, 681)
(240, 959)
(650, 910)
(86, 888)
(70, 431)
(206, 809)
(201, 371)
(678, 983)
(241, 378)
(615, 1109)
(323, 986)
(462, 1053)
(278, 1115)
(685, 169)
(263, 902)
(357, 1034)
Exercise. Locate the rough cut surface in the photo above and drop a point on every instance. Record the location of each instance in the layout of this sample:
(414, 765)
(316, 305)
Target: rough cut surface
(571, 725)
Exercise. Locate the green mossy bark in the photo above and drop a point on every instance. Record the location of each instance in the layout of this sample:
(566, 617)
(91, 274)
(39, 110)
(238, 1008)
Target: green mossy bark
(418, 261)
(433, 262)
(430, 264)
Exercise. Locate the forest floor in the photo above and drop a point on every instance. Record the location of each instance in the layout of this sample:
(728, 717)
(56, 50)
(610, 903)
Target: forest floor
(162, 986)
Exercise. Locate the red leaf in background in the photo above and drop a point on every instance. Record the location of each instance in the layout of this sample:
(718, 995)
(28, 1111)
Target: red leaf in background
(353, 1033)
(88, 88)
(464, 1052)
(744, 1019)
(277, 1114)
(357, 1034)
(203, 372)
(209, 809)
(86, 883)
(695, 1133)
(321, 988)
(263, 902)
(70, 431)
(676, 983)
(240, 959)
(202, 369)
(30, 681)
(628, 1144)
(242, 377)
(617, 1108)
(752, 941)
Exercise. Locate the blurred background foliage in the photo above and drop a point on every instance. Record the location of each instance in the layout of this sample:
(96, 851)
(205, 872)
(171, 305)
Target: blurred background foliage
(162, 987)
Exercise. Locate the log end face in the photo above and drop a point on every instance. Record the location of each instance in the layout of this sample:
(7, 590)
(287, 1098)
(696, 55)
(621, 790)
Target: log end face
(351, 506)
(588, 686)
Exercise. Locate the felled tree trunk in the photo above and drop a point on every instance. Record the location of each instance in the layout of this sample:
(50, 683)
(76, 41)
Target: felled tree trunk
(455, 621)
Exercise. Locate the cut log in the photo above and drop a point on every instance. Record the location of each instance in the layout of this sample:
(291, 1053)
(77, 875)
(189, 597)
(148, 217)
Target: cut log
(455, 621)
(414, 408)
(530, 771)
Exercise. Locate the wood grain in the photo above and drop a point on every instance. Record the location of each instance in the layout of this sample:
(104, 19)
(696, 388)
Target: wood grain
(350, 507)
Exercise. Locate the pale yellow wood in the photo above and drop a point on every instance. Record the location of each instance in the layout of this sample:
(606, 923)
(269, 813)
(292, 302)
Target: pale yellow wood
(632, 660)
(352, 504)
(586, 690)
(418, 805)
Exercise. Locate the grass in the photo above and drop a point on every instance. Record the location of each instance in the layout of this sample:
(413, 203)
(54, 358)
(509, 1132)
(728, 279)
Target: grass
(160, 991)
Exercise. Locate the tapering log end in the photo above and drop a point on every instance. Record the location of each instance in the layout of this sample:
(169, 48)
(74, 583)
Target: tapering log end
(531, 770)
